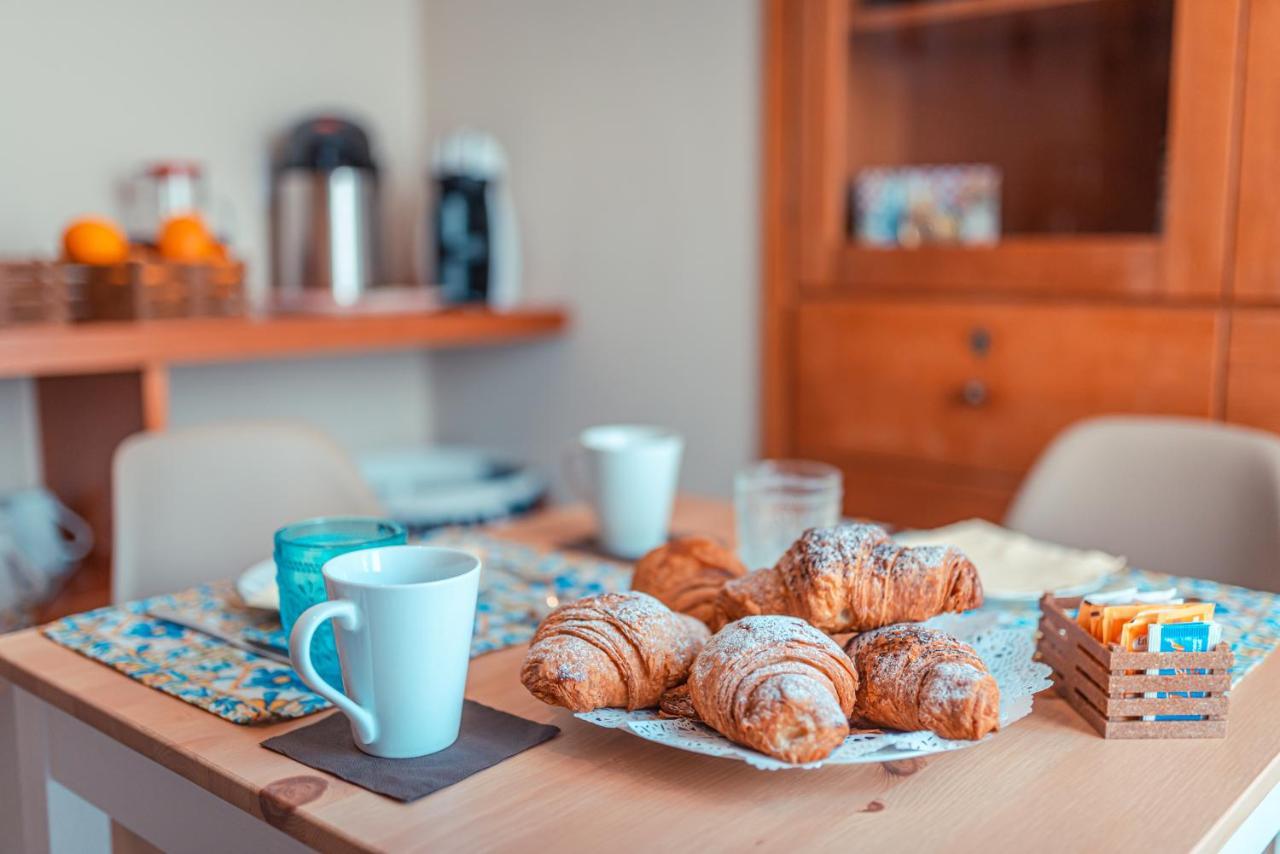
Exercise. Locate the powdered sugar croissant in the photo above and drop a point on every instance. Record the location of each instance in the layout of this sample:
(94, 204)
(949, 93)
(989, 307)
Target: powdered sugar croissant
(612, 650)
(775, 684)
(913, 678)
(854, 578)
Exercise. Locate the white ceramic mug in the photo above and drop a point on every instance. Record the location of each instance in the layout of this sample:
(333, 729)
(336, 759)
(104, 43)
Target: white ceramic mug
(628, 473)
(403, 617)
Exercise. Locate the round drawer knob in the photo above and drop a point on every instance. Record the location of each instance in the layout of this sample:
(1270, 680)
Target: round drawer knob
(974, 393)
(980, 341)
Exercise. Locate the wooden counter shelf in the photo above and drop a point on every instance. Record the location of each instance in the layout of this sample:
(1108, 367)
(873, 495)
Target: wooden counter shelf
(96, 383)
(94, 348)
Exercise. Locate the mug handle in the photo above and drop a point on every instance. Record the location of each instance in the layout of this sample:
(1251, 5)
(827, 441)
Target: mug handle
(304, 629)
(573, 464)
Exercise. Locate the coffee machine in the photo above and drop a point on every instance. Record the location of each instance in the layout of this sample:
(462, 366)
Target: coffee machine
(324, 213)
(477, 250)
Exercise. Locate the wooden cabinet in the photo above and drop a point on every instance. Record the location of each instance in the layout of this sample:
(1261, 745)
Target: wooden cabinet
(1126, 133)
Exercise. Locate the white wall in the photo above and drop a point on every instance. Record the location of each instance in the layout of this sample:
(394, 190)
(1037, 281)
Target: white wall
(93, 89)
(632, 133)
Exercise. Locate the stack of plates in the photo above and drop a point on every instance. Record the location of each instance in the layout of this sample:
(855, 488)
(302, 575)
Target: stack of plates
(425, 488)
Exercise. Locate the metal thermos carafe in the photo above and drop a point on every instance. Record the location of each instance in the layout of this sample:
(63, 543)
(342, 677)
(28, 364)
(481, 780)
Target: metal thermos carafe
(324, 212)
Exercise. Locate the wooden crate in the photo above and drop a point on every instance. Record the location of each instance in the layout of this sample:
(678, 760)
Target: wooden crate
(1108, 685)
(30, 293)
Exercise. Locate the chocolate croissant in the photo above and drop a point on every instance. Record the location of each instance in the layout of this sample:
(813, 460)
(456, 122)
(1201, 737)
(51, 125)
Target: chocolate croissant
(686, 574)
(913, 678)
(852, 578)
(775, 684)
(615, 649)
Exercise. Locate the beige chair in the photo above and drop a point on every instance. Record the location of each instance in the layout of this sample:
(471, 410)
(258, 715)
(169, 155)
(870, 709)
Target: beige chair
(199, 504)
(1176, 495)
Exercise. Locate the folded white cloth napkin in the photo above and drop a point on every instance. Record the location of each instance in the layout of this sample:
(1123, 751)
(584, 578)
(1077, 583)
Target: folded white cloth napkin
(1015, 566)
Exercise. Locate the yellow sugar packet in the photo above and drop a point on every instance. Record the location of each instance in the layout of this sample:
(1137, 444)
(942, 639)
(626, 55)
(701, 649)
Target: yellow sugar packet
(1135, 629)
(1113, 617)
(1086, 613)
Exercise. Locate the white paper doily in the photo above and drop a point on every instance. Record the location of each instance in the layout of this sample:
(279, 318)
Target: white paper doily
(1007, 654)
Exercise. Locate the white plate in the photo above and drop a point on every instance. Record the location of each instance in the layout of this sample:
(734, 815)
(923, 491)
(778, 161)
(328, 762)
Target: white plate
(257, 586)
(1007, 653)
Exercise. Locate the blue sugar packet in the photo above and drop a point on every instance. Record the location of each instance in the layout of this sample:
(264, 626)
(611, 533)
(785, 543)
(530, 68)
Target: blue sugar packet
(1182, 637)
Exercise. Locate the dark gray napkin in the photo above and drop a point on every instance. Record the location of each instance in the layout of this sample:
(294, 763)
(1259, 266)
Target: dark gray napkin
(488, 736)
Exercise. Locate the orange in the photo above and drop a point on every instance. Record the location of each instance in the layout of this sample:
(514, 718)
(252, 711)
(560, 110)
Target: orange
(95, 240)
(186, 240)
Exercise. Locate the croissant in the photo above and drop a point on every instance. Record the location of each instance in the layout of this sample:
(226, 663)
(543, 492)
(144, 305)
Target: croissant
(687, 574)
(775, 684)
(854, 578)
(914, 678)
(615, 649)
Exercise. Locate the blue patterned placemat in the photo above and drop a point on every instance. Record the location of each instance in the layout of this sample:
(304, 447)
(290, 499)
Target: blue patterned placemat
(518, 586)
(240, 686)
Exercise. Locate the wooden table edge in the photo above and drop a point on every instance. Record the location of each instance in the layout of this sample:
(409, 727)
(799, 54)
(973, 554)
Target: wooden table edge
(1217, 836)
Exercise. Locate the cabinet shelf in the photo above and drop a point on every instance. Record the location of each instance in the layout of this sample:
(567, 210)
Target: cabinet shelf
(1099, 265)
(873, 19)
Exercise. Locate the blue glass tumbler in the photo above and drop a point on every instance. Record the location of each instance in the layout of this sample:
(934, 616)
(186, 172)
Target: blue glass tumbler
(301, 550)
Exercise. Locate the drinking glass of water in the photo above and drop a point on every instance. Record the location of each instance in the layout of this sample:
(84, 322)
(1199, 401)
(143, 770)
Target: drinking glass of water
(775, 501)
(301, 550)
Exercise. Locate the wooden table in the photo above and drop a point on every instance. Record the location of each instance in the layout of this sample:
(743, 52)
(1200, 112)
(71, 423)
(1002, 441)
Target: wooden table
(186, 780)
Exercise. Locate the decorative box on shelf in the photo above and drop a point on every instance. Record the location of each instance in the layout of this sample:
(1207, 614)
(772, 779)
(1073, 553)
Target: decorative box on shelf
(147, 289)
(31, 292)
(1125, 694)
(141, 288)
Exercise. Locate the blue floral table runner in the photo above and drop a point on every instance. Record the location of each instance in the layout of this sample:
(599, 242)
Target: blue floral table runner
(518, 586)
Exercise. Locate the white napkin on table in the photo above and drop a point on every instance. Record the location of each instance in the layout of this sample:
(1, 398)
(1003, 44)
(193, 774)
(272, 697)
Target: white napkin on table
(1016, 566)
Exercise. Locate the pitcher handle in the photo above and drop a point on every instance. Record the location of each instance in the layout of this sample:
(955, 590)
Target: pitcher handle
(346, 614)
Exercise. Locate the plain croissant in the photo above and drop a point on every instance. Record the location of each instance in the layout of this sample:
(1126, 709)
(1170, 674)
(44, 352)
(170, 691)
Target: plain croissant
(775, 684)
(615, 649)
(913, 678)
(686, 574)
(854, 578)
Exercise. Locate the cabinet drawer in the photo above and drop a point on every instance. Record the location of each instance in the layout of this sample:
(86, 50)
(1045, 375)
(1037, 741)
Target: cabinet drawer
(987, 385)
